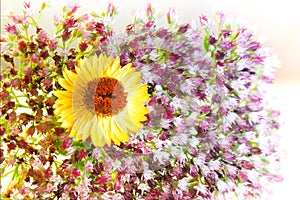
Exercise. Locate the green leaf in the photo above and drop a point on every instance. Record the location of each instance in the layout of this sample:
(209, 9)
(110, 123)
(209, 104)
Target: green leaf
(205, 43)
(253, 144)
(78, 144)
(58, 142)
(87, 144)
(61, 152)
(80, 165)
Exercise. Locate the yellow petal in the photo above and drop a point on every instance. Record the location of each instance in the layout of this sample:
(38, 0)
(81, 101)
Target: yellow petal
(65, 84)
(65, 101)
(124, 71)
(86, 130)
(115, 66)
(97, 136)
(118, 134)
(115, 133)
(137, 113)
(123, 120)
(97, 68)
(73, 132)
(66, 124)
(60, 108)
(140, 95)
(68, 118)
(62, 94)
(104, 127)
(105, 63)
(69, 76)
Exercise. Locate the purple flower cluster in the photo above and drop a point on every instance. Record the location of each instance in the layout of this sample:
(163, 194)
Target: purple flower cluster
(209, 133)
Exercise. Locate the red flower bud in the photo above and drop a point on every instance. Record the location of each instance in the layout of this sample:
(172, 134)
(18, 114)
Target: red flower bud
(22, 46)
(83, 46)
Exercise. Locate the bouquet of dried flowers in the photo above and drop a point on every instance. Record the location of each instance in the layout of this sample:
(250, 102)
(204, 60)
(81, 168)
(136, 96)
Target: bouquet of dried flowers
(175, 111)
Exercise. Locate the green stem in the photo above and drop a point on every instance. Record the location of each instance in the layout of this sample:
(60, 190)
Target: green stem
(26, 33)
(22, 106)
(21, 69)
(64, 45)
(15, 96)
(3, 176)
(14, 175)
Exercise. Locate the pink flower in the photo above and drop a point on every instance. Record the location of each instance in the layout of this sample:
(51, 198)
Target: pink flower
(72, 7)
(66, 34)
(76, 172)
(202, 190)
(48, 173)
(111, 9)
(149, 137)
(103, 179)
(183, 184)
(24, 190)
(204, 125)
(26, 4)
(96, 153)
(166, 123)
(203, 20)
(19, 19)
(227, 45)
(57, 19)
(11, 29)
(3, 48)
(253, 46)
(70, 22)
(90, 25)
(149, 9)
(148, 175)
(172, 16)
(143, 187)
(67, 188)
(177, 171)
(47, 82)
(178, 121)
(44, 72)
(183, 28)
(193, 170)
(173, 58)
(81, 154)
(177, 194)
(50, 188)
(84, 17)
(66, 142)
(231, 171)
(88, 165)
(42, 35)
(34, 58)
(83, 189)
(149, 24)
(118, 186)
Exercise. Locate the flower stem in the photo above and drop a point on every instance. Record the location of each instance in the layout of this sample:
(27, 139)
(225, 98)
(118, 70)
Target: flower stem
(4, 175)
(14, 175)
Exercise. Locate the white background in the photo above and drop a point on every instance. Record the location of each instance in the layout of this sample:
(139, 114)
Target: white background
(277, 21)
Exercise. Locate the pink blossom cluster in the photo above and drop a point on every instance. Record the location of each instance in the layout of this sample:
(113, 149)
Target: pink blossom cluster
(210, 133)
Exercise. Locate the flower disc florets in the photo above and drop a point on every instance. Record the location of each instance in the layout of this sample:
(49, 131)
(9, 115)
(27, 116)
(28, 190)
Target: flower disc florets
(110, 97)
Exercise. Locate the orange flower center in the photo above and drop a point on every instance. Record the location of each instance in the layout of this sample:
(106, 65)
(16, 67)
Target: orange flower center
(110, 97)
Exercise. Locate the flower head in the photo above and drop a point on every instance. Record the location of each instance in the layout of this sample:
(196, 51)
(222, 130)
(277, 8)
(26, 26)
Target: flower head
(102, 100)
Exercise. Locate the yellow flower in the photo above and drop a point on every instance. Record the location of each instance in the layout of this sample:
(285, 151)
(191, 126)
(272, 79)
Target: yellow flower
(102, 101)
